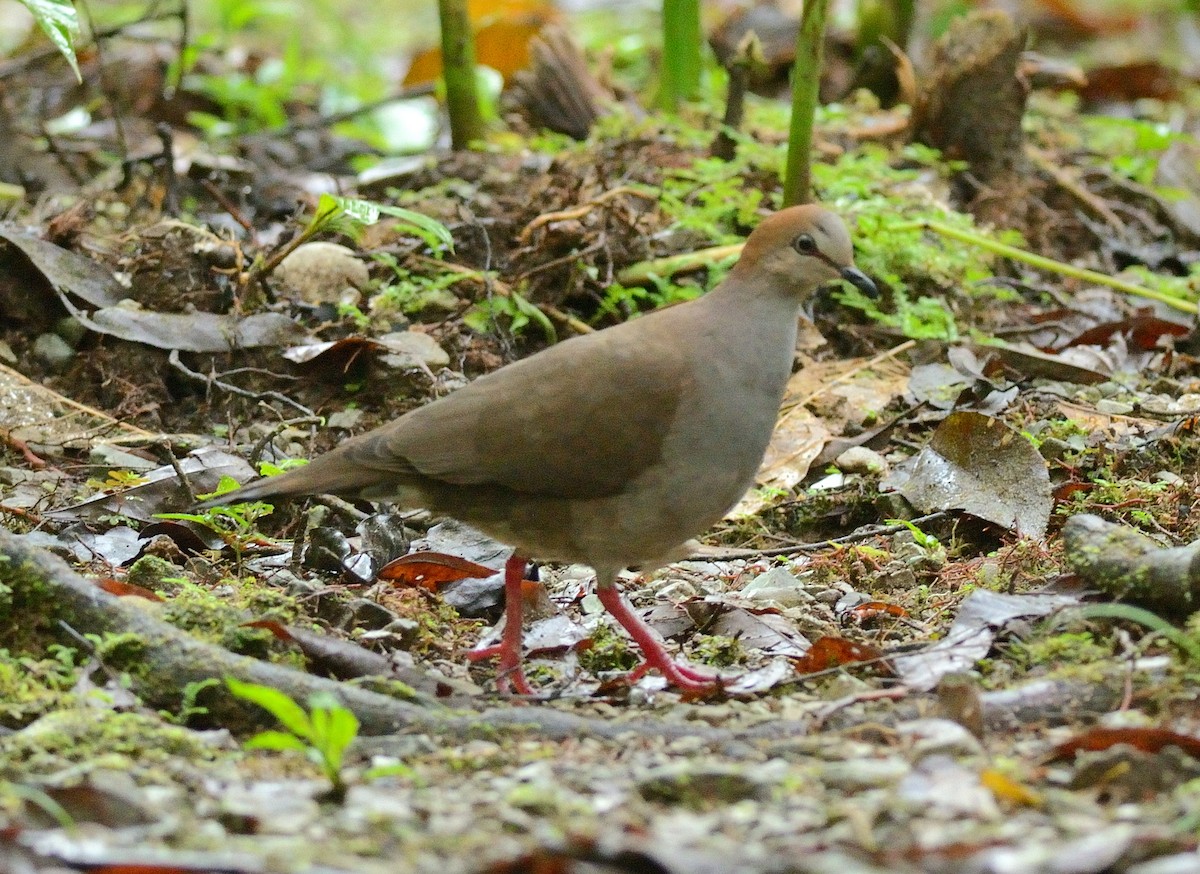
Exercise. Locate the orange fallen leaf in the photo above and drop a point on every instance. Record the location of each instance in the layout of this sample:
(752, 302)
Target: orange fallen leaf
(430, 570)
(1148, 740)
(274, 626)
(877, 608)
(503, 33)
(122, 589)
(829, 652)
(1007, 789)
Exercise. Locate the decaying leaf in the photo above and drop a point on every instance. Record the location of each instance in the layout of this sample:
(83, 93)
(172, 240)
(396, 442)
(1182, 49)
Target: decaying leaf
(979, 464)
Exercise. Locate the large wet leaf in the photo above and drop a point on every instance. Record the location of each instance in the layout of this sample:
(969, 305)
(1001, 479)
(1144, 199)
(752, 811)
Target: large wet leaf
(979, 464)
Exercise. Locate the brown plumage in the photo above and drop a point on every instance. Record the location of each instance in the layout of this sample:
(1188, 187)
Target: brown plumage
(610, 449)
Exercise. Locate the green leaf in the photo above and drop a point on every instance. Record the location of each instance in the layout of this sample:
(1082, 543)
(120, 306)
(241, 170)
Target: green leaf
(60, 22)
(363, 211)
(276, 740)
(435, 234)
(396, 769)
(342, 730)
(533, 314)
(279, 705)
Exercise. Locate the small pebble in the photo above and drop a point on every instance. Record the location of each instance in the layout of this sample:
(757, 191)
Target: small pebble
(1111, 407)
(860, 459)
(53, 351)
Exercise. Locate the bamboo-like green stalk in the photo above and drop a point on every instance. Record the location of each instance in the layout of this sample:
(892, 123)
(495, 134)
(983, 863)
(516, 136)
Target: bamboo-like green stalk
(644, 271)
(682, 42)
(458, 70)
(806, 80)
(1044, 263)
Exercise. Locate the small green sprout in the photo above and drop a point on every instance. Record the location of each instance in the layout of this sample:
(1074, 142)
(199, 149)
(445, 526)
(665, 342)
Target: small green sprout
(322, 734)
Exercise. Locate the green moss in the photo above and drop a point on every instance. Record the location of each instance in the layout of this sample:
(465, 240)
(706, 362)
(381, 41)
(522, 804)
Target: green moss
(719, 651)
(30, 688)
(609, 652)
(266, 602)
(121, 651)
(154, 573)
(384, 686)
(1062, 653)
(206, 615)
(91, 738)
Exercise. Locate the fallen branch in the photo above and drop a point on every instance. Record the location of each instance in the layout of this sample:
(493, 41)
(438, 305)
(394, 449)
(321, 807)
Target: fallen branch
(1129, 566)
(44, 594)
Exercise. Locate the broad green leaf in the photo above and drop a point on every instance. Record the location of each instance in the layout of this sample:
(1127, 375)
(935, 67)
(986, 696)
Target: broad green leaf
(276, 740)
(434, 233)
(343, 728)
(279, 705)
(60, 22)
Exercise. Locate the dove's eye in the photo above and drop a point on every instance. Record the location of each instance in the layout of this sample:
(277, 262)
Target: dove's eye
(805, 244)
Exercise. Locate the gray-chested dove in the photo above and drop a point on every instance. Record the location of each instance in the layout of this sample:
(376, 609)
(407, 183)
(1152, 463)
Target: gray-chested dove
(611, 449)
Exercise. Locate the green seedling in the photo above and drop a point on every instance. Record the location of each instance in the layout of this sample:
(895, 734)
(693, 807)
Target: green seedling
(235, 524)
(187, 705)
(923, 540)
(322, 734)
(485, 315)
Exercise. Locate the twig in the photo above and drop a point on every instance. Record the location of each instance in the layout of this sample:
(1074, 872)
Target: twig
(230, 207)
(322, 121)
(236, 390)
(170, 181)
(108, 91)
(179, 474)
(31, 457)
(852, 372)
(503, 289)
(185, 29)
(75, 405)
(259, 447)
(895, 693)
(1074, 188)
(577, 212)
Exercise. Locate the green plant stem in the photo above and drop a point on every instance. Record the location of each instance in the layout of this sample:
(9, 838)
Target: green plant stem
(1144, 617)
(682, 40)
(642, 272)
(458, 69)
(806, 81)
(1044, 263)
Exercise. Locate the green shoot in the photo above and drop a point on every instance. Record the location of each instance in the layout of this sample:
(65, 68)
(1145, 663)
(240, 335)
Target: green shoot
(682, 41)
(1129, 613)
(322, 734)
(458, 70)
(923, 540)
(187, 705)
(483, 316)
(806, 81)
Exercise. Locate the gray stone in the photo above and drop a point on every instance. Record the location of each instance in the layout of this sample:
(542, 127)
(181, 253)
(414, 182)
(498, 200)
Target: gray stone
(407, 349)
(321, 272)
(52, 351)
